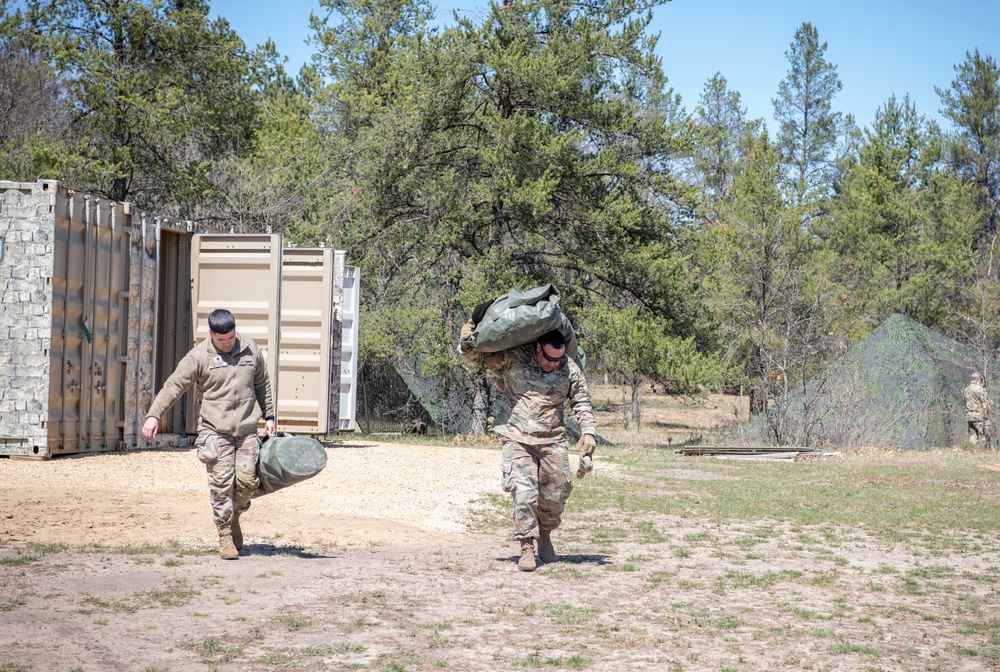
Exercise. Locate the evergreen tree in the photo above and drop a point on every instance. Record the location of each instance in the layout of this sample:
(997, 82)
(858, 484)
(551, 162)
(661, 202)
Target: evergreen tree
(34, 119)
(535, 147)
(636, 349)
(901, 226)
(972, 102)
(808, 125)
(762, 285)
(279, 185)
(721, 128)
(157, 92)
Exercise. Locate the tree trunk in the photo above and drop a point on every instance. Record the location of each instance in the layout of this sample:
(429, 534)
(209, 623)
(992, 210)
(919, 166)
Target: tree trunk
(480, 406)
(636, 399)
(625, 413)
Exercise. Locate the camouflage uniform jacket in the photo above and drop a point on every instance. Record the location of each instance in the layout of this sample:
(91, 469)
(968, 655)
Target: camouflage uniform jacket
(975, 402)
(232, 385)
(536, 398)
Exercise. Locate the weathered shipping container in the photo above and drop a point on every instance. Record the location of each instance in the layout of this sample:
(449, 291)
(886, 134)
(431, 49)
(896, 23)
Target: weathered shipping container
(100, 303)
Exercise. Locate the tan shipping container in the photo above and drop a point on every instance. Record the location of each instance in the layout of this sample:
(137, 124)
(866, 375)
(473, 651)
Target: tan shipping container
(100, 303)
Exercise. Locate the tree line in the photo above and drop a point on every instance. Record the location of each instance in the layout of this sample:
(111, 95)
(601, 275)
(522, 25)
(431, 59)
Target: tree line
(541, 142)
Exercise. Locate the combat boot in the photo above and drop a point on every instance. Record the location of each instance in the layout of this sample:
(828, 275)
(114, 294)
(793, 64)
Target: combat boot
(237, 532)
(527, 561)
(546, 553)
(227, 551)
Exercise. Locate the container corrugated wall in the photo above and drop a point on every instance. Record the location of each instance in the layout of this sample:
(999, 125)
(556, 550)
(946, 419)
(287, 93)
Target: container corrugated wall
(90, 283)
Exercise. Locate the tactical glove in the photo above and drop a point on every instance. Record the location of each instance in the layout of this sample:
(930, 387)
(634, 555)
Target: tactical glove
(467, 330)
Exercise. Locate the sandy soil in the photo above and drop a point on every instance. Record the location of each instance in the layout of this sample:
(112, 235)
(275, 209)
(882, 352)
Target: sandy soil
(108, 562)
(368, 494)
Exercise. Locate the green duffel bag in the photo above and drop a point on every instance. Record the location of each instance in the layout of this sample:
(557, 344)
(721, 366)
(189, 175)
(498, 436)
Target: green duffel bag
(286, 460)
(521, 317)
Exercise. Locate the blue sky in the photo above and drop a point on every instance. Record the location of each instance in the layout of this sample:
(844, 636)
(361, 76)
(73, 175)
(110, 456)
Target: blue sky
(880, 47)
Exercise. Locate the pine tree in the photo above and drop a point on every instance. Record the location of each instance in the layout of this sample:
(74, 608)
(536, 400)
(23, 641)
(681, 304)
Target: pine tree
(808, 125)
(157, 92)
(972, 102)
(534, 147)
(901, 226)
(721, 128)
(762, 285)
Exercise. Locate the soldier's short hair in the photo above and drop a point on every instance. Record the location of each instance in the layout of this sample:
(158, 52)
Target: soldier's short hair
(221, 321)
(553, 339)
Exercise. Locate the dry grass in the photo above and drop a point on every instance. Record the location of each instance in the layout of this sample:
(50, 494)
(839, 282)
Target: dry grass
(666, 420)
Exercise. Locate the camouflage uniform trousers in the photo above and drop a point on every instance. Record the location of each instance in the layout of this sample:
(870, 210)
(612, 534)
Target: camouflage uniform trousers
(539, 482)
(977, 430)
(231, 463)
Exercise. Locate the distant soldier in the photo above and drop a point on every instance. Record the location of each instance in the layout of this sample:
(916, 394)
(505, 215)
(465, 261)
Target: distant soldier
(977, 408)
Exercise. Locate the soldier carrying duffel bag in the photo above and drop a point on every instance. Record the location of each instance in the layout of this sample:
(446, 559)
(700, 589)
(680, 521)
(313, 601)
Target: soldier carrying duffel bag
(524, 342)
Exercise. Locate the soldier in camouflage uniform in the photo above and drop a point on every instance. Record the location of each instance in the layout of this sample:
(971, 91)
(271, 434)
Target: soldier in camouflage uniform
(231, 377)
(977, 408)
(536, 380)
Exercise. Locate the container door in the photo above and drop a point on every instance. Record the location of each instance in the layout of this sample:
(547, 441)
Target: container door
(349, 349)
(241, 273)
(173, 322)
(307, 288)
(89, 325)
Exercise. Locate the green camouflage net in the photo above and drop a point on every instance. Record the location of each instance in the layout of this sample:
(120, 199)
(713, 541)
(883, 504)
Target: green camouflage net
(901, 387)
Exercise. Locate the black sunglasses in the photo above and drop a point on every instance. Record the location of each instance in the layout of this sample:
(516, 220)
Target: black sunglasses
(557, 360)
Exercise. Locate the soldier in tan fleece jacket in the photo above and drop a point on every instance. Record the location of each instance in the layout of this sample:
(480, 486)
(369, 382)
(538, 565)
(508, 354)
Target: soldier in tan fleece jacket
(231, 377)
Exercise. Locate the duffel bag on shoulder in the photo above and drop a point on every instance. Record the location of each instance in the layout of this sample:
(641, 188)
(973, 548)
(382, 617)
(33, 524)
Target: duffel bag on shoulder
(521, 317)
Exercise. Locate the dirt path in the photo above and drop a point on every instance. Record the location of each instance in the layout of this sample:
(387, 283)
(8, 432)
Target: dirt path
(370, 566)
(368, 494)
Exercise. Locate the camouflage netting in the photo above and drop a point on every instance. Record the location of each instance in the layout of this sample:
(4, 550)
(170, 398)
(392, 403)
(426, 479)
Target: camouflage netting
(391, 399)
(901, 387)
(394, 398)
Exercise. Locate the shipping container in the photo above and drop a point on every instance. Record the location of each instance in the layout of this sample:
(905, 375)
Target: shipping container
(100, 303)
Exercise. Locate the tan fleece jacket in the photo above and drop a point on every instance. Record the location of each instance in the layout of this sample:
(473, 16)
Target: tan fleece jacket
(232, 387)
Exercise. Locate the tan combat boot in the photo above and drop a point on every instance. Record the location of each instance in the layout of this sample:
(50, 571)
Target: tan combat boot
(546, 553)
(527, 561)
(237, 532)
(227, 551)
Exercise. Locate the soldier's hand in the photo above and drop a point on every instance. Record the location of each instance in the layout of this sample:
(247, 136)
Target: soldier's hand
(586, 445)
(467, 330)
(150, 427)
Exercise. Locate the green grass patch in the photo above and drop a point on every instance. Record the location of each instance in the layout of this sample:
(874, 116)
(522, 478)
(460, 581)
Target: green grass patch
(537, 659)
(862, 649)
(175, 594)
(901, 497)
(19, 561)
(212, 650)
(293, 623)
(12, 604)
